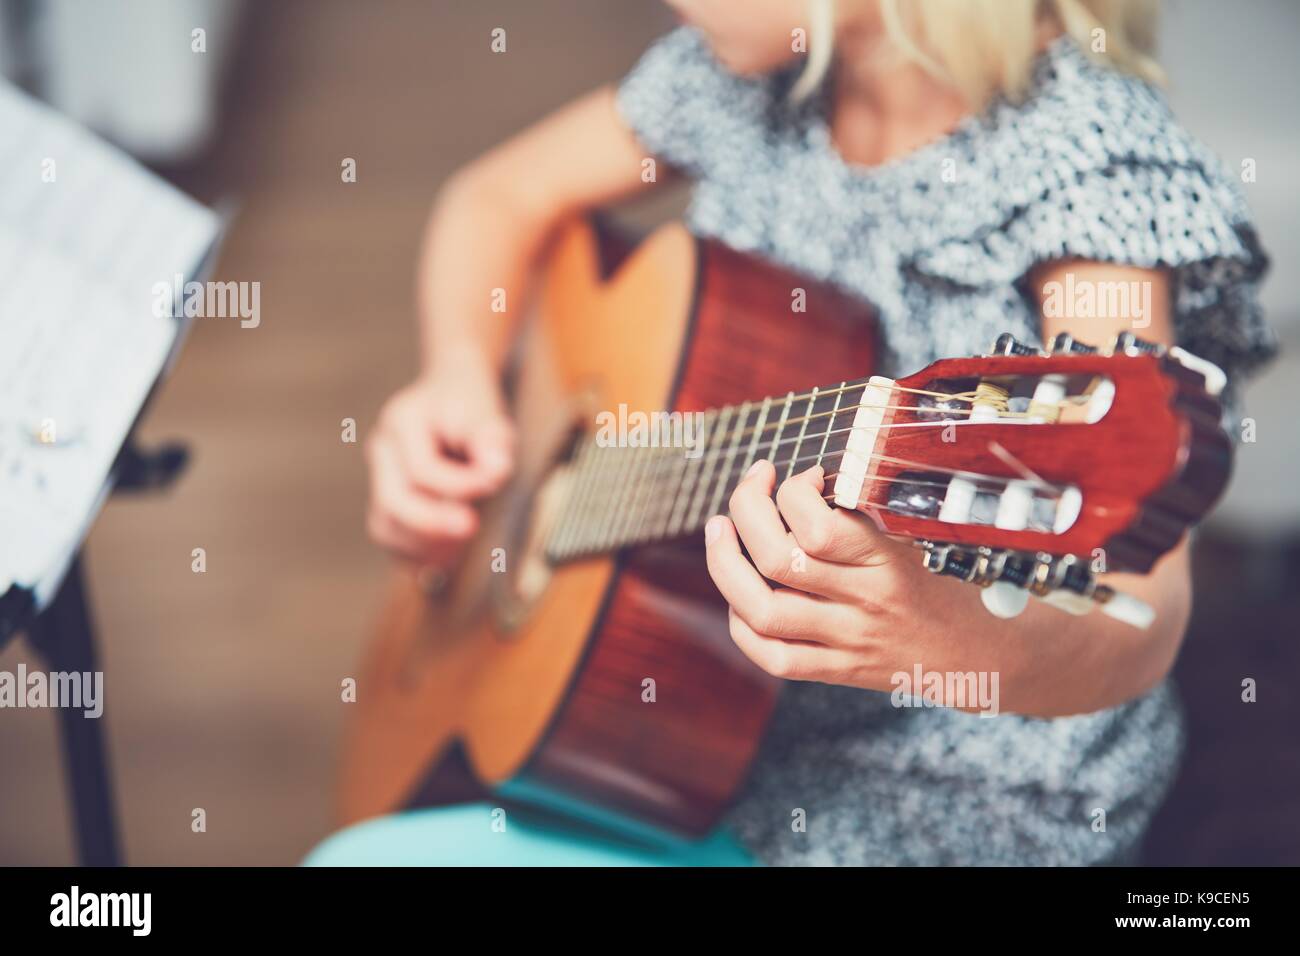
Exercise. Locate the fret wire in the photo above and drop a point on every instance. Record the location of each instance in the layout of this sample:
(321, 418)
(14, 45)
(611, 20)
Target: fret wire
(830, 423)
(625, 495)
(645, 483)
(623, 492)
(731, 457)
(650, 529)
(702, 484)
(803, 428)
(579, 515)
(642, 458)
(713, 465)
(595, 505)
(780, 425)
(603, 533)
(652, 492)
(671, 491)
(677, 512)
(586, 514)
(753, 444)
(675, 492)
(565, 526)
(692, 468)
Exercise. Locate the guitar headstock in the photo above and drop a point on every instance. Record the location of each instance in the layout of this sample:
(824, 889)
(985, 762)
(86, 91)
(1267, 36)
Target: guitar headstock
(1026, 469)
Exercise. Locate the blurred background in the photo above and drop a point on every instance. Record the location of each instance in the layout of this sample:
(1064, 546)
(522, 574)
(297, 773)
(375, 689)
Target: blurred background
(223, 687)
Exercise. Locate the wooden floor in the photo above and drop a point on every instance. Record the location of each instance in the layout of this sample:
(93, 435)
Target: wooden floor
(224, 687)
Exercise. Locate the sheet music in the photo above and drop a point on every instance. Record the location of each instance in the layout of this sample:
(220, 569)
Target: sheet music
(85, 236)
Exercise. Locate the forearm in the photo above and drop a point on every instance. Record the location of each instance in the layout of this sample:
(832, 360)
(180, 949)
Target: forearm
(1072, 665)
(474, 269)
(493, 218)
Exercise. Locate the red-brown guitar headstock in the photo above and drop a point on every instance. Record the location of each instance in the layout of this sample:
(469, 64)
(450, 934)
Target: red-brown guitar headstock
(1074, 452)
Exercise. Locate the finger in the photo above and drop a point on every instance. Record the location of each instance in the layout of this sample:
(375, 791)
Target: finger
(790, 660)
(776, 613)
(433, 472)
(776, 552)
(486, 442)
(407, 545)
(491, 448)
(430, 518)
(822, 531)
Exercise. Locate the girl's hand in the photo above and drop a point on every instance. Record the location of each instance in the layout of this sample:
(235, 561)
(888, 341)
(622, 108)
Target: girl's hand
(856, 606)
(441, 443)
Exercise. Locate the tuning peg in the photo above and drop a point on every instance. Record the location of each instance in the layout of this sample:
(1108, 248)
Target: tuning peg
(1008, 344)
(1065, 344)
(947, 560)
(1004, 600)
(1126, 343)
(1125, 607)
(1215, 379)
(1003, 577)
(1007, 579)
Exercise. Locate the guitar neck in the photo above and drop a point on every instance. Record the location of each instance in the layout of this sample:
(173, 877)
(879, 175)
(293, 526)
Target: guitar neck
(666, 476)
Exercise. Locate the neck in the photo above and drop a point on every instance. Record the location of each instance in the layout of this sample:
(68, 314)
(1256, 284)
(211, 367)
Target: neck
(885, 105)
(621, 496)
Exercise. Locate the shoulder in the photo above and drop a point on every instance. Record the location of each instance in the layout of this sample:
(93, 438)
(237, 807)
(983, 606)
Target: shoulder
(687, 108)
(1094, 165)
(1105, 148)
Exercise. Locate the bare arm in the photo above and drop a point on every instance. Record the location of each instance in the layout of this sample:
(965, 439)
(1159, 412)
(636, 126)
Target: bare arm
(493, 217)
(1093, 662)
(445, 440)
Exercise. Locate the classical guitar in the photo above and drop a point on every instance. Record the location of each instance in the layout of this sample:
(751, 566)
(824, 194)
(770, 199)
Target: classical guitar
(525, 670)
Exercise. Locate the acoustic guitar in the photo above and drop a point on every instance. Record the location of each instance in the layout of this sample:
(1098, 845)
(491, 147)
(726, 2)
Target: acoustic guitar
(578, 657)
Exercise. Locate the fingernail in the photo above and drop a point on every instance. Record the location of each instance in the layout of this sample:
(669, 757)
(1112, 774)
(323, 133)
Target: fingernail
(753, 469)
(712, 529)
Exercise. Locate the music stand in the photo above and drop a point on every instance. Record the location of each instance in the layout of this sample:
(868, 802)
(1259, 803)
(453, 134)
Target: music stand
(63, 634)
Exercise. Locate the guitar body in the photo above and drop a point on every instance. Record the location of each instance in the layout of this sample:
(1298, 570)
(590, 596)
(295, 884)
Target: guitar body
(609, 685)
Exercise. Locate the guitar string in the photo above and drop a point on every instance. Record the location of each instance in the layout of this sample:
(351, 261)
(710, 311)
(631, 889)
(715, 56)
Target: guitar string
(888, 459)
(650, 471)
(672, 464)
(854, 408)
(610, 506)
(1002, 417)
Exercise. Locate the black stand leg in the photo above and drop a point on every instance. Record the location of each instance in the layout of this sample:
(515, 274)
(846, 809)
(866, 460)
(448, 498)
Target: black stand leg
(63, 635)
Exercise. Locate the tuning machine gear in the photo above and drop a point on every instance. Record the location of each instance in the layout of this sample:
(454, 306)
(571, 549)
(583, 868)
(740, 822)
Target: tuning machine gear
(1009, 578)
(1008, 344)
(1063, 343)
(1126, 343)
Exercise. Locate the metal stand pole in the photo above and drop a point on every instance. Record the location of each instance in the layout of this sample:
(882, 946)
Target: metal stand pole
(64, 636)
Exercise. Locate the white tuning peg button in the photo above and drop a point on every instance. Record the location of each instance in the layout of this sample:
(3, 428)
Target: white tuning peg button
(1215, 379)
(1069, 602)
(1130, 610)
(1003, 599)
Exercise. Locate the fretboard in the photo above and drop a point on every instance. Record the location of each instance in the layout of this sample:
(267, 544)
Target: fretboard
(648, 489)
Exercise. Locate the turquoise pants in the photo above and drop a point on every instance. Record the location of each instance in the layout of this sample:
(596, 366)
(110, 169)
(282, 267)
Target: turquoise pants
(476, 834)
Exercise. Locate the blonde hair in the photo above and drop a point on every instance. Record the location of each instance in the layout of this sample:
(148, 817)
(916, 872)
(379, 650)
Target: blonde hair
(986, 48)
